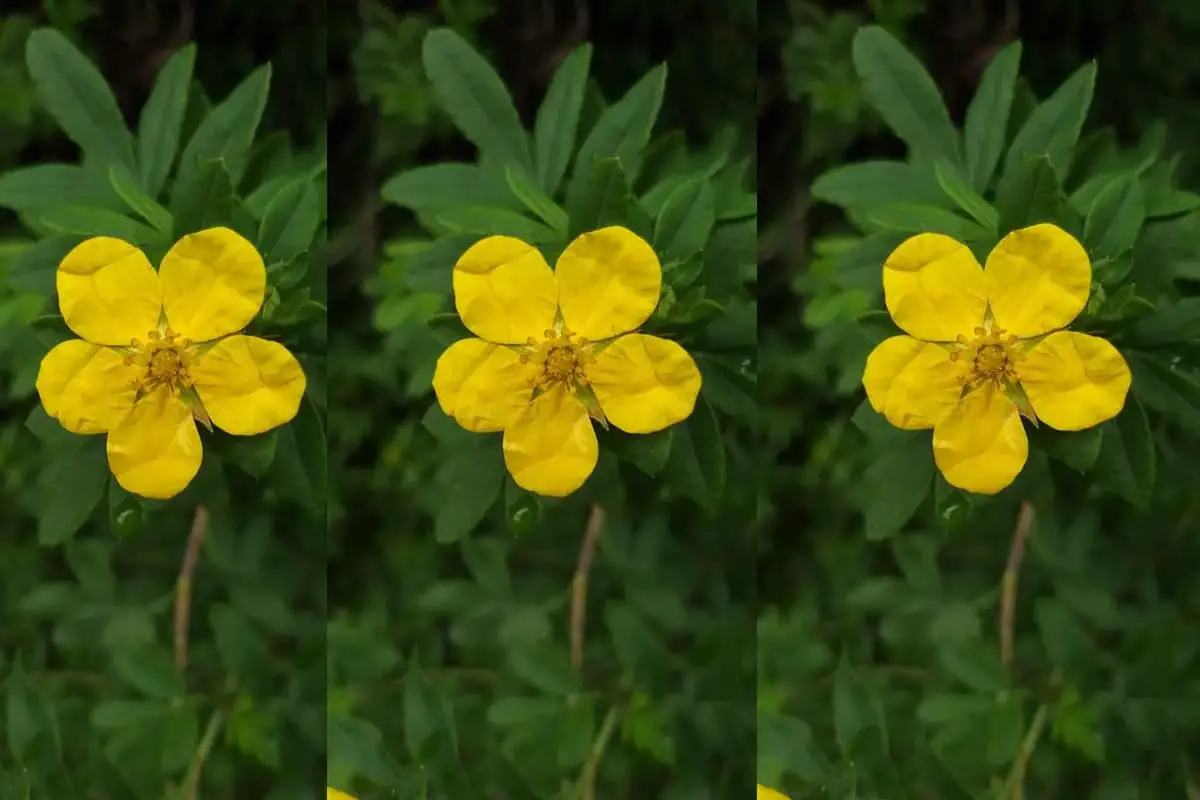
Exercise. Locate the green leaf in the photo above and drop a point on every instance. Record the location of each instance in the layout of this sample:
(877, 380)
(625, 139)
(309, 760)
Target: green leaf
(696, 465)
(597, 196)
(1127, 460)
(685, 222)
(470, 91)
(907, 218)
(1115, 219)
(495, 221)
(46, 187)
(227, 131)
(180, 735)
(1053, 127)
(202, 199)
(137, 200)
(534, 199)
(623, 130)
(161, 122)
(437, 187)
(876, 183)
(98, 222)
(149, 671)
(290, 221)
(1077, 449)
(1028, 193)
(74, 92)
(300, 466)
(852, 708)
(1172, 323)
(544, 666)
(900, 89)
(964, 196)
(431, 268)
(1173, 394)
(987, 116)
(70, 489)
(897, 483)
(421, 711)
(557, 123)
(974, 663)
(23, 723)
(34, 268)
(470, 480)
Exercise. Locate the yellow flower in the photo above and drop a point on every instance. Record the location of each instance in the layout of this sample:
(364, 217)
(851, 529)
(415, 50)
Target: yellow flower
(334, 794)
(985, 342)
(556, 347)
(769, 794)
(158, 348)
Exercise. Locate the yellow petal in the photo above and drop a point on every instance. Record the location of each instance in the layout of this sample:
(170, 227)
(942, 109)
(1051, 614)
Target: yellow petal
(1038, 280)
(551, 449)
(87, 388)
(155, 451)
(108, 292)
(769, 794)
(913, 384)
(608, 283)
(933, 288)
(213, 283)
(334, 794)
(248, 385)
(483, 386)
(644, 383)
(1074, 381)
(981, 446)
(504, 290)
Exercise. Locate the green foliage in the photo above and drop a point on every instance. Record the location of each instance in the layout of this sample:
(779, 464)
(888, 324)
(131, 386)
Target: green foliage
(143, 661)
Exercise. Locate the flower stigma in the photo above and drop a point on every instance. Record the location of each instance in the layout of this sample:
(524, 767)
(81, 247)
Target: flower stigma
(990, 357)
(163, 360)
(558, 360)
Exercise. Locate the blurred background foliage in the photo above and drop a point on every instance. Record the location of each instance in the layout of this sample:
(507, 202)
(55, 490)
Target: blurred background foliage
(102, 696)
(879, 660)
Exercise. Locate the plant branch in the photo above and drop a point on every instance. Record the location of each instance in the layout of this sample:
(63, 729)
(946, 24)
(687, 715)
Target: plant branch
(1008, 596)
(183, 587)
(587, 554)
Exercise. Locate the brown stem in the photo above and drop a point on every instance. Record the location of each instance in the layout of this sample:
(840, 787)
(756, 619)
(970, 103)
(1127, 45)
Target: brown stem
(183, 587)
(579, 583)
(1008, 596)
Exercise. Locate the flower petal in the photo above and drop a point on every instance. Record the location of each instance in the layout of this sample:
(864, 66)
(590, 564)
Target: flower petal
(981, 446)
(87, 388)
(608, 282)
(213, 283)
(334, 794)
(769, 794)
(1038, 280)
(504, 290)
(933, 288)
(108, 292)
(155, 451)
(483, 386)
(913, 384)
(1074, 380)
(551, 448)
(644, 383)
(248, 385)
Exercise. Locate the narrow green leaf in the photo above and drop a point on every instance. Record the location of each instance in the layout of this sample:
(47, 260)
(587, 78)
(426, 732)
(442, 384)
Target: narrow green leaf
(964, 196)
(136, 199)
(876, 183)
(897, 483)
(905, 96)
(1028, 193)
(598, 195)
(74, 92)
(534, 199)
(1053, 127)
(161, 122)
(907, 218)
(557, 123)
(470, 91)
(436, 187)
(289, 222)
(623, 130)
(685, 222)
(496, 221)
(1128, 460)
(45, 187)
(202, 198)
(71, 487)
(1115, 219)
(987, 116)
(98, 222)
(227, 131)
(470, 481)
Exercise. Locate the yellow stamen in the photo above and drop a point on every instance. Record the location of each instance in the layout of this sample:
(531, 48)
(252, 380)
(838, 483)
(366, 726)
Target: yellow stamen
(990, 357)
(558, 360)
(163, 362)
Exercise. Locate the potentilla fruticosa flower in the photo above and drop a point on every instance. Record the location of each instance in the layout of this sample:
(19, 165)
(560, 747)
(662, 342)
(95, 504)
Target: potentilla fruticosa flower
(986, 346)
(161, 349)
(769, 794)
(334, 794)
(557, 348)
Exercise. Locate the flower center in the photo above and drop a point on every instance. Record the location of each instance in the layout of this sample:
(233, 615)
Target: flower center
(558, 360)
(990, 357)
(164, 361)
